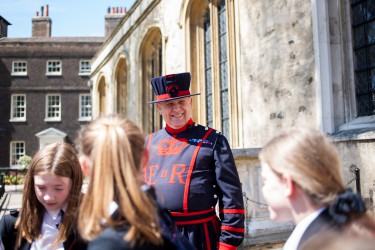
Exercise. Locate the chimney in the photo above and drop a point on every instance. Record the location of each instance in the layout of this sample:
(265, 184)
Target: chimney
(113, 18)
(41, 25)
(4, 27)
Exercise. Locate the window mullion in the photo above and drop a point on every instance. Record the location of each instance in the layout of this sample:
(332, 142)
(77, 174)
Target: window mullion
(215, 61)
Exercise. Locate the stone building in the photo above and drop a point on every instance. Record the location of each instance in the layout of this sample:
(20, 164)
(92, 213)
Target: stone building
(44, 92)
(260, 66)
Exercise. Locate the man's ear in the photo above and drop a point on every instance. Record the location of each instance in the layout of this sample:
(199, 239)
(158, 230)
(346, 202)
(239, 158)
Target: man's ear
(158, 107)
(85, 165)
(290, 186)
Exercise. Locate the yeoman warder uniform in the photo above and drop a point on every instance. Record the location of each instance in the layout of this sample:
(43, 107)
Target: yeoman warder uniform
(193, 169)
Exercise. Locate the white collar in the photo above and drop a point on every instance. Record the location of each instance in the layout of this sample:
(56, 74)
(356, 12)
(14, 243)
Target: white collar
(112, 208)
(50, 231)
(55, 213)
(294, 239)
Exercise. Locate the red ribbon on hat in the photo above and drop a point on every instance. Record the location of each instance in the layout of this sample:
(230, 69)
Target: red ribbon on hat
(167, 96)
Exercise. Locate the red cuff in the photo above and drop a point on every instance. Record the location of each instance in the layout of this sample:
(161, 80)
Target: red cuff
(223, 246)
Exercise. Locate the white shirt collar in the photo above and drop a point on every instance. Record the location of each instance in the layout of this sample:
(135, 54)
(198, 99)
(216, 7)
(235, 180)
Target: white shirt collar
(50, 230)
(54, 214)
(294, 239)
(112, 208)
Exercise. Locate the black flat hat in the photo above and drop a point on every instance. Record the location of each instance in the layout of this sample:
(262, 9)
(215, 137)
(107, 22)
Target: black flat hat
(171, 87)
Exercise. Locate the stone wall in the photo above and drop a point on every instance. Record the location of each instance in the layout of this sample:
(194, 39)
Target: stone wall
(277, 67)
(358, 153)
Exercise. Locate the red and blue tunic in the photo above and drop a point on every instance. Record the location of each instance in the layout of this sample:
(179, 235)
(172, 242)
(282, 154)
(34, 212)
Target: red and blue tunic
(193, 169)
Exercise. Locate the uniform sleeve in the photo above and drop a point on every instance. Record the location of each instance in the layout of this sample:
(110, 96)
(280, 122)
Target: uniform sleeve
(7, 231)
(231, 204)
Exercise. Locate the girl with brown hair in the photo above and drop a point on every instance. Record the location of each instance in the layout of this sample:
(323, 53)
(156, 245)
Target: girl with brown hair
(50, 200)
(303, 183)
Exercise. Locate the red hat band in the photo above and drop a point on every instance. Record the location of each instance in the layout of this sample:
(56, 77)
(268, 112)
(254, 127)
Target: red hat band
(168, 96)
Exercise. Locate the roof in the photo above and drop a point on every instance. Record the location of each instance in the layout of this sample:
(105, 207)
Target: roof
(51, 132)
(56, 39)
(50, 46)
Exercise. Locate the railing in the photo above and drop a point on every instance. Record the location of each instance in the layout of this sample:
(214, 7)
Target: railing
(2, 187)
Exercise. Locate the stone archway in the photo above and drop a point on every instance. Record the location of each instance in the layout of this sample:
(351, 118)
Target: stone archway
(121, 88)
(102, 91)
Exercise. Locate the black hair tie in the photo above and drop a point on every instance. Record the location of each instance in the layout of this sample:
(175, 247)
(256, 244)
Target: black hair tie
(346, 206)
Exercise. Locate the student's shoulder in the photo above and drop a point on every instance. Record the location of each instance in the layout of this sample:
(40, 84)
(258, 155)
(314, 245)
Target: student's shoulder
(10, 218)
(109, 238)
(7, 224)
(113, 239)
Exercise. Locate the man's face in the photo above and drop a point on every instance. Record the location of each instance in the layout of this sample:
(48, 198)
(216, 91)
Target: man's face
(176, 113)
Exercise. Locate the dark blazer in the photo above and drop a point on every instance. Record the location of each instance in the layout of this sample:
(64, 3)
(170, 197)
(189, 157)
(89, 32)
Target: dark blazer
(112, 238)
(323, 222)
(9, 234)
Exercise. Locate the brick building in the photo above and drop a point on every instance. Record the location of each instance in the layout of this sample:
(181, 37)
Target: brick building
(44, 93)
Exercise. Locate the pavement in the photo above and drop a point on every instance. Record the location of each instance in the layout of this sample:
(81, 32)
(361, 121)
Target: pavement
(12, 199)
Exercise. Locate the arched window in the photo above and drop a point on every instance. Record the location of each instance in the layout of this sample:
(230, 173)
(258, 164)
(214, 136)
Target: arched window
(121, 95)
(152, 66)
(212, 59)
(102, 97)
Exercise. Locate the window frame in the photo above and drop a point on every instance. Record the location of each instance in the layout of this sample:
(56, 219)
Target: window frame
(53, 73)
(11, 152)
(83, 72)
(14, 67)
(195, 56)
(12, 107)
(152, 55)
(366, 66)
(54, 118)
(81, 117)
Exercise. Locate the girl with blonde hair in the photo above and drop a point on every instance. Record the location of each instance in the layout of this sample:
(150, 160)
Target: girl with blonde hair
(303, 183)
(117, 211)
(50, 199)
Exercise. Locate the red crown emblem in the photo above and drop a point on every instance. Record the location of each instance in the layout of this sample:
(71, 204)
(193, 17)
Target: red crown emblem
(172, 146)
(172, 90)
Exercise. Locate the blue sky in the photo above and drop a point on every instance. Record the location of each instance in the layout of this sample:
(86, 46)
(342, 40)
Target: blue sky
(69, 18)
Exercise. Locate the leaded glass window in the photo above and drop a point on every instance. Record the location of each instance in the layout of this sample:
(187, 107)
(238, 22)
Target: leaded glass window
(363, 23)
(208, 69)
(156, 70)
(223, 60)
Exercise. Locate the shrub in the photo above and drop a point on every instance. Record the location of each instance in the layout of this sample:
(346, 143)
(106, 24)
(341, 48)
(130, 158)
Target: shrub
(24, 161)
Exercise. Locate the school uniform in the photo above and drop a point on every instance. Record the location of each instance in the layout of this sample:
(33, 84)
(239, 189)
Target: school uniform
(309, 227)
(193, 169)
(50, 224)
(113, 237)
